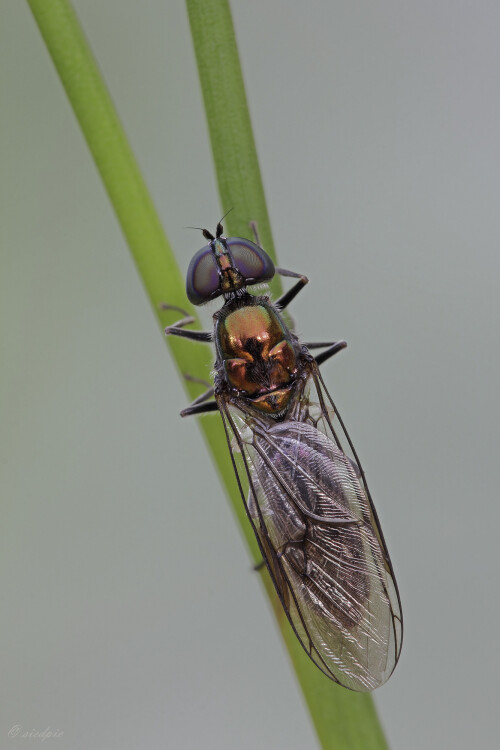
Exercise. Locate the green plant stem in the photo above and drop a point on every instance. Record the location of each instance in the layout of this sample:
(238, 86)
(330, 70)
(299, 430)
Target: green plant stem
(343, 720)
(131, 201)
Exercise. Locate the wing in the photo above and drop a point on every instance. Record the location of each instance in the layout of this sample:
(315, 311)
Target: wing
(319, 534)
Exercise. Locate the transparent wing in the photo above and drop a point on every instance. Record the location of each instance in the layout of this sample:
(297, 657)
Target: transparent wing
(319, 534)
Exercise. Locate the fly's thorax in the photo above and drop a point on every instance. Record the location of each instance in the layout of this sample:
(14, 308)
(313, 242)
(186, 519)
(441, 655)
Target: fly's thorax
(257, 356)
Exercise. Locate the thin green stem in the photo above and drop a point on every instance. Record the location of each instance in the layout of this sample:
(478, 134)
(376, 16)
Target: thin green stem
(231, 136)
(343, 720)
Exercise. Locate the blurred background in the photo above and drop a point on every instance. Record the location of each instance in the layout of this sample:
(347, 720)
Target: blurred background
(130, 615)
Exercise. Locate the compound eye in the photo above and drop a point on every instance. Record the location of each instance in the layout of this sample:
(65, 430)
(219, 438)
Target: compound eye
(252, 261)
(202, 279)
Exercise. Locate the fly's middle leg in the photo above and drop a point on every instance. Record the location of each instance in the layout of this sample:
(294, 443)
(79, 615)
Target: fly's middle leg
(333, 348)
(178, 328)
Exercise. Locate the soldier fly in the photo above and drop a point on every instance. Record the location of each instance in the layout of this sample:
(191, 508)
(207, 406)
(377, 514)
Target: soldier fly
(308, 501)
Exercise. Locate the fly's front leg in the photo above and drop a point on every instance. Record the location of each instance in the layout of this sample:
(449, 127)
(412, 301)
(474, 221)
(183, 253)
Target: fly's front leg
(287, 297)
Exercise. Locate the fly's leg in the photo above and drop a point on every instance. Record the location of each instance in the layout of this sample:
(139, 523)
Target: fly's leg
(284, 301)
(255, 232)
(287, 297)
(322, 344)
(178, 328)
(165, 306)
(203, 397)
(192, 379)
(198, 406)
(335, 347)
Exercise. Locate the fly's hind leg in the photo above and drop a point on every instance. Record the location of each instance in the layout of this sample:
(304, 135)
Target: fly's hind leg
(192, 379)
(199, 405)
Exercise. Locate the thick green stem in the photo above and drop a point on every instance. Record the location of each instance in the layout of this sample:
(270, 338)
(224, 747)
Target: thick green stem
(153, 256)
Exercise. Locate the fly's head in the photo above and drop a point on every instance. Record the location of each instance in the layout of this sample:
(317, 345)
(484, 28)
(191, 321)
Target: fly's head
(226, 266)
(257, 361)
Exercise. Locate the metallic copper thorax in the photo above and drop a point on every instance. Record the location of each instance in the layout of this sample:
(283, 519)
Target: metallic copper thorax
(258, 356)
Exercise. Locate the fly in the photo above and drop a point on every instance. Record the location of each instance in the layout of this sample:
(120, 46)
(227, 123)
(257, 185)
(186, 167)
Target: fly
(308, 501)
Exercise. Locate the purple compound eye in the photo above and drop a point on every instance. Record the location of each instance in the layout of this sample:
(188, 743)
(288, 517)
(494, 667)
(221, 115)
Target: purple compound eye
(202, 279)
(252, 261)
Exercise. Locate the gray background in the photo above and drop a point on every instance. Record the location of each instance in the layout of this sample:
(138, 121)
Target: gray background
(129, 616)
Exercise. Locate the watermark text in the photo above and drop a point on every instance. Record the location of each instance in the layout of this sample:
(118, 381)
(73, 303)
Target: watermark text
(17, 730)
